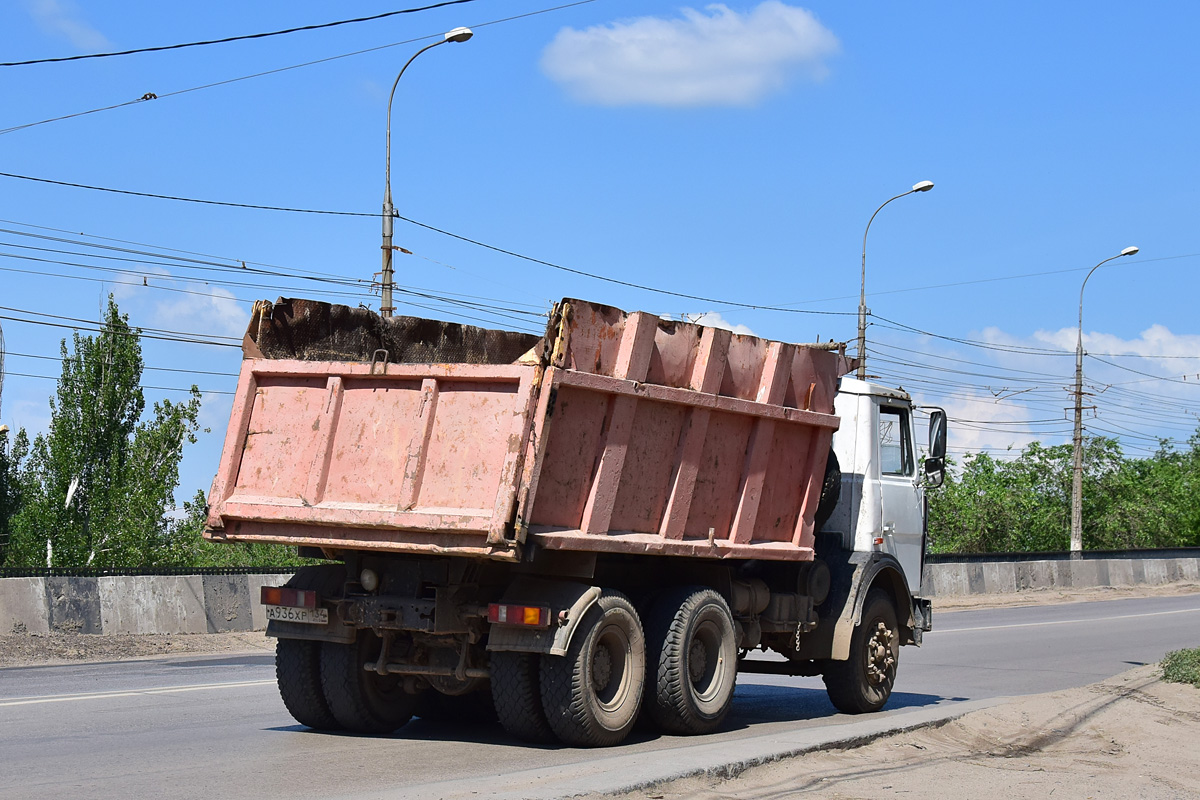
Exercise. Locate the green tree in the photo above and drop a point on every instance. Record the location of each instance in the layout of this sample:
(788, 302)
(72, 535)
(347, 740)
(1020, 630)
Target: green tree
(186, 547)
(1024, 504)
(12, 455)
(94, 489)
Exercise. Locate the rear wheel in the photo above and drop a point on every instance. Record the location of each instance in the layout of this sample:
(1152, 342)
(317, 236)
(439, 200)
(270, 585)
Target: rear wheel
(592, 694)
(362, 701)
(864, 682)
(692, 656)
(831, 490)
(298, 673)
(516, 694)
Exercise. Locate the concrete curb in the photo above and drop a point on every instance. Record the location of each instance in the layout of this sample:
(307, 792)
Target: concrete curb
(158, 604)
(1009, 577)
(166, 604)
(646, 770)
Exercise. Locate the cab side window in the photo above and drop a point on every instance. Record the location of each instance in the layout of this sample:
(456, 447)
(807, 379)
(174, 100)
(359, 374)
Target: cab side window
(895, 442)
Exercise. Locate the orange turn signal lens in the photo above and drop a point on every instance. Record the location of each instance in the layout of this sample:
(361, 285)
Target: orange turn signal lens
(525, 616)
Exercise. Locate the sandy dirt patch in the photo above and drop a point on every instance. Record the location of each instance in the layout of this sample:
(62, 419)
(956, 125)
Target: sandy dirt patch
(1129, 736)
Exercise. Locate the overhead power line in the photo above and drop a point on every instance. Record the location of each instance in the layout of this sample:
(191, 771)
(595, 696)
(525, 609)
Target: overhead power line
(228, 39)
(276, 70)
(141, 385)
(459, 237)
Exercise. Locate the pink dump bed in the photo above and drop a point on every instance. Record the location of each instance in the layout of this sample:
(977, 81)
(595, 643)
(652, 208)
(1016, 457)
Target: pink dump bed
(405, 458)
(627, 433)
(669, 437)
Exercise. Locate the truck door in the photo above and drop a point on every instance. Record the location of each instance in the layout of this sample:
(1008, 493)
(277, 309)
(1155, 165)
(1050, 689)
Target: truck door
(903, 531)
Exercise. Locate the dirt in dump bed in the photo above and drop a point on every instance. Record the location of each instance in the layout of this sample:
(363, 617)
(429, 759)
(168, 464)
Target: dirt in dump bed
(313, 331)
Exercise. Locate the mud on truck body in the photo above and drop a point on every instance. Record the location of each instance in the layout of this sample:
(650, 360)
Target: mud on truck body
(574, 529)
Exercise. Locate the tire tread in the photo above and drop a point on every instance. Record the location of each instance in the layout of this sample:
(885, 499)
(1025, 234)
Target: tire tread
(517, 696)
(298, 674)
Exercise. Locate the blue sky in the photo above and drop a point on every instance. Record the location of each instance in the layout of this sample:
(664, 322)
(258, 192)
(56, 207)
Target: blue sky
(731, 152)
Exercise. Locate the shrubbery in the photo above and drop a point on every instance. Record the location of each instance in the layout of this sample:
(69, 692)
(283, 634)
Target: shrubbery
(995, 505)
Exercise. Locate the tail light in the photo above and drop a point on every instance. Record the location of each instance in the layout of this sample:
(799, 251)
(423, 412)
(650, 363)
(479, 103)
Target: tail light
(525, 616)
(292, 598)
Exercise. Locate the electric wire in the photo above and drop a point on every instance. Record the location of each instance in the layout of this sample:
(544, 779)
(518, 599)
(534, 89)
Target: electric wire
(140, 385)
(162, 96)
(156, 369)
(459, 237)
(228, 39)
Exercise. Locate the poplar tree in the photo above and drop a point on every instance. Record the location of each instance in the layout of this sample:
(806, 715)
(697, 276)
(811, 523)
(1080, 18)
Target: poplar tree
(96, 487)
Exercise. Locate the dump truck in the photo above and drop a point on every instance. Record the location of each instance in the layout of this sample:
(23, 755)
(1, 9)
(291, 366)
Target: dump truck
(574, 530)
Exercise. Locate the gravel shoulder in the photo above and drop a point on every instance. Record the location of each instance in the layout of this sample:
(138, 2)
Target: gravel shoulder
(1129, 736)
(26, 649)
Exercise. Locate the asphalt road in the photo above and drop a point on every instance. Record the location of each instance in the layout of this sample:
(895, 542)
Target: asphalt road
(214, 727)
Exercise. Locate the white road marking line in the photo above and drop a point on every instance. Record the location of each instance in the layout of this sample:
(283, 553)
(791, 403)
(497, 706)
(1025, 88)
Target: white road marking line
(63, 698)
(1066, 621)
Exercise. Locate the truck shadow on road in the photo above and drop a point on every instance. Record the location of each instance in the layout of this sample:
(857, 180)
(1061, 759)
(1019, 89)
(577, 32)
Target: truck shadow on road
(753, 705)
(758, 703)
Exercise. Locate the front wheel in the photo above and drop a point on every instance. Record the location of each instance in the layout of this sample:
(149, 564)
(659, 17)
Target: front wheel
(592, 695)
(864, 682)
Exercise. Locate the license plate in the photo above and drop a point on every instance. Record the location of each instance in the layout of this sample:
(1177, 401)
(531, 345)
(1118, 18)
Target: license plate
(308, 616)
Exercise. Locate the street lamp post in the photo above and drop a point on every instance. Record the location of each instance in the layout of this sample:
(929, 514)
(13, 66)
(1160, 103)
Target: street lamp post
(923, 186)
(385, 306)
(1077, 465)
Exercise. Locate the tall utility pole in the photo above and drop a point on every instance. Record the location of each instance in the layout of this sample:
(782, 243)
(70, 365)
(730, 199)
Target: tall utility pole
(1077, 465)
(385, 305)
(923, 186)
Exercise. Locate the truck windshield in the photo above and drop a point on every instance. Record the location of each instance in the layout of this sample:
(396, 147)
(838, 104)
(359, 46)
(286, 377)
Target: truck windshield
(895, 445)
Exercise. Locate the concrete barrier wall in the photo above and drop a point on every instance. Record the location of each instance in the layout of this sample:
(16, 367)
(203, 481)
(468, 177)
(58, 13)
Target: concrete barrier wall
(218, 603)
(134, 604)
(1006, 577)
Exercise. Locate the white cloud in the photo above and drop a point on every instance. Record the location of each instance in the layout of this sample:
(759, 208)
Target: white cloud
(992, 426)
(1139, 389)
(712, 319)
(213, 312)
(61, 18)
(214, 411)
(1157, 343)
(714, 57)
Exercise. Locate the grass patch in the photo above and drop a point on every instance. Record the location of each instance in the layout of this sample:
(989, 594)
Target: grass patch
(1182, 666)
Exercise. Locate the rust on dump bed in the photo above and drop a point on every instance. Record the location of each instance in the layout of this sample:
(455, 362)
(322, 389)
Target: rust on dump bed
(307, 330)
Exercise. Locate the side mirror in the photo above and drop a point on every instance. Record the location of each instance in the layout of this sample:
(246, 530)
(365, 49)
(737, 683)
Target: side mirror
(935, 464)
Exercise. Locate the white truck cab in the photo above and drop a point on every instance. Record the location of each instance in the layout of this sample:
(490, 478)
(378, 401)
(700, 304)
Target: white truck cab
(882, 502)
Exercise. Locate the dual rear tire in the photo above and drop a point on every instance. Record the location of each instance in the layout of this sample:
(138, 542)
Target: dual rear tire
(324, 686)
(693, 670)
(680, 671)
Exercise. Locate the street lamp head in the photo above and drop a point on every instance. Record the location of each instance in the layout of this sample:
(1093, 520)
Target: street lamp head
(459, 35)
(923, 186)
(1129, 251)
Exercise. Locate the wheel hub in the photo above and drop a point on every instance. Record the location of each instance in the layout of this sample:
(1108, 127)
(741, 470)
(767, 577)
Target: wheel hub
(602, 664)
(880, 659)
(697, 660)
